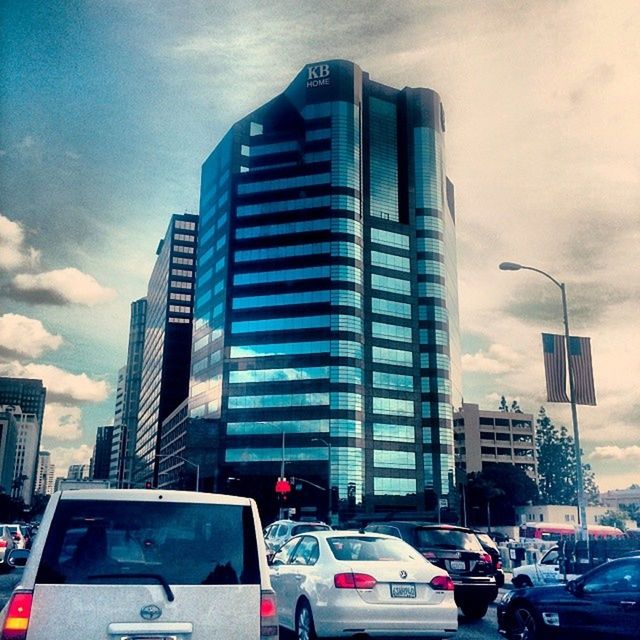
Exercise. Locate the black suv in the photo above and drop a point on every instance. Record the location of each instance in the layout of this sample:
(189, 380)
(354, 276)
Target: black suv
(459, 552)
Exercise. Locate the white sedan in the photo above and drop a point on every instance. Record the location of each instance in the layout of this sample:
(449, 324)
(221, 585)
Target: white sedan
(343, 583)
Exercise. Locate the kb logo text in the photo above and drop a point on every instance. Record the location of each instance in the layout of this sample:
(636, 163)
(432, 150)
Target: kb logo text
(318, 75)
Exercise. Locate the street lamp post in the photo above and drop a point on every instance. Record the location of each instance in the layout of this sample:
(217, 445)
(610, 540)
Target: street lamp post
(193, 464)
(329, 487)
(582, 503)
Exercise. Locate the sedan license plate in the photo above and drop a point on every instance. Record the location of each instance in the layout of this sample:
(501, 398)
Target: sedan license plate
(458, 565)
(402, 590)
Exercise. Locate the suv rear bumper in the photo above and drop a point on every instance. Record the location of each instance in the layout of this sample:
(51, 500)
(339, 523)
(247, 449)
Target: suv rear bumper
(475, 589)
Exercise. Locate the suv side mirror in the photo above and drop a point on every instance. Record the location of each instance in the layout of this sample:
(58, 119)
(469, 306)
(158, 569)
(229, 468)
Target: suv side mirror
(17, 557)
(575, 587)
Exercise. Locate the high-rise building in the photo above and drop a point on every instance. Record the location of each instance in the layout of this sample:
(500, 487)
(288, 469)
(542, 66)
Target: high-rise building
(27, 393)
(79, 472)
(326, 319)
(8, 442)
(26, 457)
(123, 448)
(167, 343)
(45, 474)
(102, 452)
(487, 438)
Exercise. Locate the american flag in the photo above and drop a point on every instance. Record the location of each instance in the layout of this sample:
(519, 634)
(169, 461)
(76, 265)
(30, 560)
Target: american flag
(555, 368)
(580, 354)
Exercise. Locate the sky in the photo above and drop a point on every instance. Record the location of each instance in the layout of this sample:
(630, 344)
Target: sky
(108, 109)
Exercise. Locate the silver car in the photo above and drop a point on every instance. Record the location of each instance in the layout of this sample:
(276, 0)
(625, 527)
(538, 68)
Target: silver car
(343, 583)
(6, 544)
(143, 564)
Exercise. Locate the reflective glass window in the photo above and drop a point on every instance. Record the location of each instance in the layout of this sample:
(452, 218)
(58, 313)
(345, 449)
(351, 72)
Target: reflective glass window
(385, 380)
(393, 406)
(350, 375)
(383, 159)
(282, 205)
(346, 323)
(283, 183)
(392, 356)
(390, 261)
(281, 348)
(303, 226)
(389, 238)
(346, 349)
(282, 275)
(391, 332)
(394, 459)
(394, 486)
(288, 251)
(278, 375)
(391, 307)
(270, 454)
(279, 324)
(278, 400)
(277, 426)
(393, 432)
(302, 297)
(393, 285)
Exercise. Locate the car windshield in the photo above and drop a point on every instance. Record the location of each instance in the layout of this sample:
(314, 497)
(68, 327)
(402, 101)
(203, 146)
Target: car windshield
(14, 529)
(303, 528)
(99, 541)
(360, 548)
(447, 539)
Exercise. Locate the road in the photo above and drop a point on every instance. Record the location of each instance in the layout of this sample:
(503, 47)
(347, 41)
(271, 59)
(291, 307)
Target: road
(485, 629)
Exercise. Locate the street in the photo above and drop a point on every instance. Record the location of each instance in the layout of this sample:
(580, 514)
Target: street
(485, 629)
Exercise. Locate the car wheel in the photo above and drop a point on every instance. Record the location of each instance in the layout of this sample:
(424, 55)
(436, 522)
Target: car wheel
(475, 610)
(305, 629)
(524, 625)
(520, 582)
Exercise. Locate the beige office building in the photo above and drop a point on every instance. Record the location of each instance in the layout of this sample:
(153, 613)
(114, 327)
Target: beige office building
(484, 438)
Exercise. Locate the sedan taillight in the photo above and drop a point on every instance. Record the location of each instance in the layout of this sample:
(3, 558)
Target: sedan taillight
(17, 621)
(354, 581)
(3, 544)
(442, 583)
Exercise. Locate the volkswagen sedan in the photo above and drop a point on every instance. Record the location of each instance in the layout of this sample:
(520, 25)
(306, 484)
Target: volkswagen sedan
(346, 583)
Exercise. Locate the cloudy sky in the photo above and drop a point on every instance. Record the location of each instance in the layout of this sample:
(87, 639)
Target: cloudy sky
(108, 108)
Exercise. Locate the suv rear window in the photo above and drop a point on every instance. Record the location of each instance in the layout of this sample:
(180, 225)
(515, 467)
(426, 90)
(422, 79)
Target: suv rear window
(448, 539)
(103, 542)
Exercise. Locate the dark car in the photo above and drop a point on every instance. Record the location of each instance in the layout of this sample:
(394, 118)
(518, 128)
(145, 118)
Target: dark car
(602, 604)
(459, 552)
(491, 548)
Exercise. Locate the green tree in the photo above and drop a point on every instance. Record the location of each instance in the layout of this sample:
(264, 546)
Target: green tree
(556, 456)
(504, 406)
(631, 511)
(614, 519)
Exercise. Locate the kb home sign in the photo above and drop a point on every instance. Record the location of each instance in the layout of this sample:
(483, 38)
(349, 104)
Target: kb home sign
(318, 75)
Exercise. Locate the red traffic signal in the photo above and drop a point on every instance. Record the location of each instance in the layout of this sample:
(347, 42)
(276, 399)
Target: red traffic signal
(147, 485)
(283, 486)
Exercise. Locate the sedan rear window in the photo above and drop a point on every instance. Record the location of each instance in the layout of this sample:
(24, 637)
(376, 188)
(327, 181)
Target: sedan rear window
(105, 542)
(363, 548)
(447, 539)
(304, 528)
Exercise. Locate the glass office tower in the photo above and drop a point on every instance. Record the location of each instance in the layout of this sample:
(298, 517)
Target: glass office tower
(164, 378)
(326, 316)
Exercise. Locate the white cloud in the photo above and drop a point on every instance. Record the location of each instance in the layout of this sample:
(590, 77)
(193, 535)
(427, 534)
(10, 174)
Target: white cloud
(61, 385)
(23, 336)
(619, 454)
(14, 254)
(499, 359)
(62, 422)
(61, 286)
(62, 457)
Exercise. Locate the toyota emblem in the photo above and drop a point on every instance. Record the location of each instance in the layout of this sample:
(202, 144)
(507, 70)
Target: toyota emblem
(403, 573)
(150, 612)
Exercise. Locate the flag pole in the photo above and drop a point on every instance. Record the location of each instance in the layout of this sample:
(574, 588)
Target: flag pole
(582, 506)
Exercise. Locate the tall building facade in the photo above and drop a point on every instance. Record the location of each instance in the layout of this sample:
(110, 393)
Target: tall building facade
(45, 474)
(102, 452)
(326, 319)
(487, 438)
(8, 442)
(123, 448)
(27, 393)
(164, 381)
(26, 458)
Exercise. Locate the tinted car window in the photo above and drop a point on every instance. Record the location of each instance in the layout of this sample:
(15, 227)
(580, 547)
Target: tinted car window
(101, 542)
(304, 528)
(448, 539)
(364, 549)
(623, 577)
(283, 556)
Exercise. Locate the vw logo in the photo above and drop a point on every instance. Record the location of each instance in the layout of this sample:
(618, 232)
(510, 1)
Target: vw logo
(150, 612)
(403, 574)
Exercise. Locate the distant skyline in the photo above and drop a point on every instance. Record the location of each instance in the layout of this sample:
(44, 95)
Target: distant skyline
(108, 109)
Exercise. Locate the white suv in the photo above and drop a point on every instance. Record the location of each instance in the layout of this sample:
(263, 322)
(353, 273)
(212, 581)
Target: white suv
(278, 532)
(144, 564)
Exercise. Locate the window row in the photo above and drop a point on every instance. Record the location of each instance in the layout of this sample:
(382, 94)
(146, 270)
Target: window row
(282, 229)
(282, 275)
(282, 205)
(389, 238)
(392, 285)
(393, 406)
(283, 183)
(391, 308)
(394, 459)
(390, 261)
(391, 332)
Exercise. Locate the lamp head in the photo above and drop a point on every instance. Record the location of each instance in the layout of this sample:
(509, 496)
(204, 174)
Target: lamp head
(509, 266)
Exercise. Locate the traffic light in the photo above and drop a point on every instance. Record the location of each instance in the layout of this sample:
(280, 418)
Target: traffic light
(147, 485)
(283, 486)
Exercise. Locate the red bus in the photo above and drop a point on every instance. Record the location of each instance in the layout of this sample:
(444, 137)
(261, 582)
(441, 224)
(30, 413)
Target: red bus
(557, 531)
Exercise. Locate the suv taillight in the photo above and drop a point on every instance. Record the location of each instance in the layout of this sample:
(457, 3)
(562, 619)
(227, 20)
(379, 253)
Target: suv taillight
(442, 583)
(268, 615)
(18, 613)
(3, 544)
(354, 581)
(486, 558)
